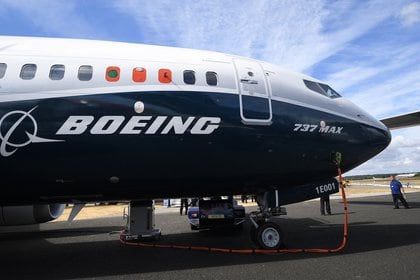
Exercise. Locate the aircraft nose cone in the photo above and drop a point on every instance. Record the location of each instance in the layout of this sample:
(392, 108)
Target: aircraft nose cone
(378, 138)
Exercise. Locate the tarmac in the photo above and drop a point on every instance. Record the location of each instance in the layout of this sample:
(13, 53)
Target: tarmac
(383, 243)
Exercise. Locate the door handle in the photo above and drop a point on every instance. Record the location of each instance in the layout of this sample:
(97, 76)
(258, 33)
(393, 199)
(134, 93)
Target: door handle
(249, 81)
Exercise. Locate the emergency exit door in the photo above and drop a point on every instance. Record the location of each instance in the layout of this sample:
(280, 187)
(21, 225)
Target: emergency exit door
(254, 93)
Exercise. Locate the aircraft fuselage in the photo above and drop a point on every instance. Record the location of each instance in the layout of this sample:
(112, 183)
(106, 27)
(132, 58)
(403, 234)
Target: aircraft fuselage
(257, 127)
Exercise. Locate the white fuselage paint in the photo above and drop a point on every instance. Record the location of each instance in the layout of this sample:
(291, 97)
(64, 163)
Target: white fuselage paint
(285, 86)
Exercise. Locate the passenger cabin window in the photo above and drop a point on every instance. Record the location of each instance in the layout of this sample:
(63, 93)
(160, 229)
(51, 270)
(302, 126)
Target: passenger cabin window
(3, 67)
(57, 72)
(211, 78)
(85, 73)
(28, 71)
(323, 89)
(189, 77)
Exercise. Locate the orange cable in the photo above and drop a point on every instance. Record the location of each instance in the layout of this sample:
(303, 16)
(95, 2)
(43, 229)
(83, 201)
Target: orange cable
(259, 251)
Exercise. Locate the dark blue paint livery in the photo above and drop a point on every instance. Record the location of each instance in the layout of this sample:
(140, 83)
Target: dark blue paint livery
(236, 158)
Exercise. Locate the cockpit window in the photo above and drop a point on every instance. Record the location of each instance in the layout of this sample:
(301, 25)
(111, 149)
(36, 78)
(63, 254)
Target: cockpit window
(313, 86)
(323, 89)
(329, 91)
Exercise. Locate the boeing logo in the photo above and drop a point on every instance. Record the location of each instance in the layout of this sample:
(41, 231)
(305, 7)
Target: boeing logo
(75, 125)
(8, 146)
(14, 127)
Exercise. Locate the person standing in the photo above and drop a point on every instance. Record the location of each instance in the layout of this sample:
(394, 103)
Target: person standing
(396, 188)
(194, 202)
(184, 203)
(325, 204)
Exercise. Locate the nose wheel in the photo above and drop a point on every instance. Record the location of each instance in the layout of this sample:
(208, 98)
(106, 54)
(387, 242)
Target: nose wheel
(269, 236)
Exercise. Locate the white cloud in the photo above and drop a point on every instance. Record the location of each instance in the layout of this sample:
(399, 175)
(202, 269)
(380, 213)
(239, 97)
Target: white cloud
(410, 14)
(401, 141)
(294, 34)
(361, 65)
(388, 97)
(351, 76)
(385, 82)
(407, 162)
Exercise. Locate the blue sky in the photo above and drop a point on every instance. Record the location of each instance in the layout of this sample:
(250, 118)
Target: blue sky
(369, 51)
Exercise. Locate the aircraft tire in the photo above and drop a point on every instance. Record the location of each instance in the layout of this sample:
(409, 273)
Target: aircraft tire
(269, 236)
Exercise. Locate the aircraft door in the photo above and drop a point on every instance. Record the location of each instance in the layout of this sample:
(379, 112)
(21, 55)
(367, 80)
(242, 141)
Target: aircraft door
(254, 93)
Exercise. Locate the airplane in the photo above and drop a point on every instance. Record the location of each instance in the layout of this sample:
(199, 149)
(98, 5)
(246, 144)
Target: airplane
(86, 121)
(406, 175)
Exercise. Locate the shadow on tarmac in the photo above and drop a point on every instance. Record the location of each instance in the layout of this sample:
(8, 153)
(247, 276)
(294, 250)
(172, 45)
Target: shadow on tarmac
(92, 252)
(58, 233)
(86, 249)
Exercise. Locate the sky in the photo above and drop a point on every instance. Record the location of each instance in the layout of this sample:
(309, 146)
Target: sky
(368, 51)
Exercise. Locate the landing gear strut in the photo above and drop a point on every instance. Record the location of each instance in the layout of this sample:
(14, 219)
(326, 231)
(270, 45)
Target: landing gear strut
(264, 233)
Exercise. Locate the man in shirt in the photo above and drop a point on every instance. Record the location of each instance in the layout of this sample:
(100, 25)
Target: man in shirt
(396, 187)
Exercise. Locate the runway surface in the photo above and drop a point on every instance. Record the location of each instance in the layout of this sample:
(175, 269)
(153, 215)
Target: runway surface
(384, 243)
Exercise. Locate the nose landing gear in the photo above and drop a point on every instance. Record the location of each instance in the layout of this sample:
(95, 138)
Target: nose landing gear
(264, 233)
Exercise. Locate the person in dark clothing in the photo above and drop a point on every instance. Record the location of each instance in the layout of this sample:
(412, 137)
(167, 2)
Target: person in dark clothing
(396, 188)
(194, 201)
(325, 204)
(184, 203)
